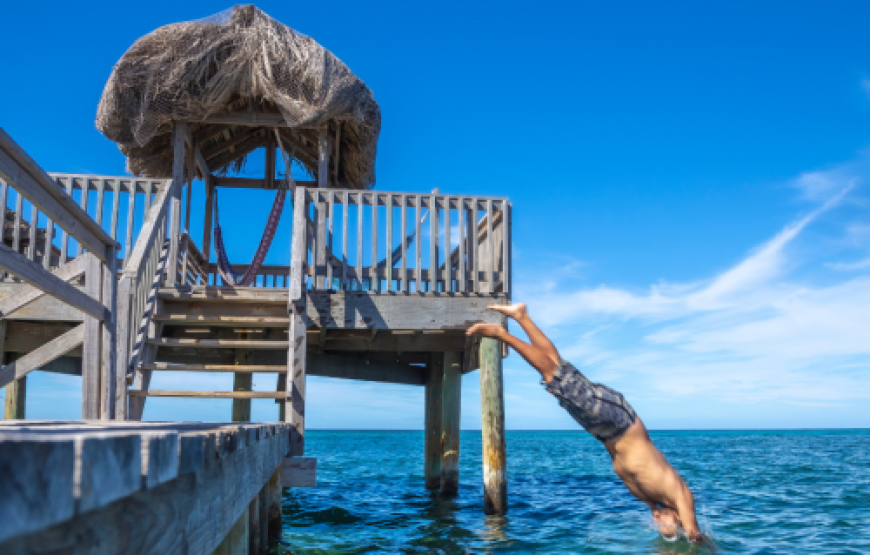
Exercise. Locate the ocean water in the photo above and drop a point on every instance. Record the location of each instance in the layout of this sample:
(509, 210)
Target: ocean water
(756, 492)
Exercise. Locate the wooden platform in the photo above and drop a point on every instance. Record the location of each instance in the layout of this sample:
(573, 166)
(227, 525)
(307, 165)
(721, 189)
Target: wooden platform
(138, 487)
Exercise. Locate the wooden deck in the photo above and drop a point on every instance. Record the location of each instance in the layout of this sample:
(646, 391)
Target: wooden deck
(140, 487)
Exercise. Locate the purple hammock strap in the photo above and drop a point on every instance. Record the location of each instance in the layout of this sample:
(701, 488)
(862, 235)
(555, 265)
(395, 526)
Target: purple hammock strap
(228, 274)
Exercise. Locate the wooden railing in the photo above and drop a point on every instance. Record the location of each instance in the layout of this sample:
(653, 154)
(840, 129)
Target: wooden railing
(382, 242)
(137, 291)
(112, 203)
(268, 276)
(96, 300)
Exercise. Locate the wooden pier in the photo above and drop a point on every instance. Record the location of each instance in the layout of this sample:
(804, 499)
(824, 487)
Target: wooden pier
(138, 488)
(379, 286)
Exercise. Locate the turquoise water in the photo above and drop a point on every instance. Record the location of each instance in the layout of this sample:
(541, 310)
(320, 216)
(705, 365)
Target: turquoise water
(756, 492)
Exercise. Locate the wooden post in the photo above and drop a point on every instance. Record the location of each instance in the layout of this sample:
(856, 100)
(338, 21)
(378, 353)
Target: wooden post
(494, 450)
(450, 407)
(295, 397)
(242, 381)
(276, 527)
(91, 349)
(236, 542)
(178, 143)
(209, 214)
(16, 391)
(110, 327)
(263, 511)
(432, 449)
(254, 526)
(270, 163)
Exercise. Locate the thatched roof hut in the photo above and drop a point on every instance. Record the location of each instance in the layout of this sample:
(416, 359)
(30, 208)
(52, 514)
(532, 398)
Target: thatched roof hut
(239, 61)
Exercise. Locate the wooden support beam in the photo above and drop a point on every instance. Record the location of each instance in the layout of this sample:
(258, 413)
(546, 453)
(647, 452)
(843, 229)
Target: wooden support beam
(270, 162)
(29, 293)
(263, 499)
(276, 502)
(207, 394)
(299, 472)
(242, 381)
(432, 468)
(241, 150)
(295, 394)
(209, 214)
(92, 361)
(254, 526)
(15, 402)
(35, 359)
(323, 158)
(353, 368)
(178, 144)
(450, 415)
(236, 139)
(39, 277)
(492, 428)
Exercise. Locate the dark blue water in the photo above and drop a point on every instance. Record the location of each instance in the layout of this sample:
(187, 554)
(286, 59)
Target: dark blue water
(756, 492)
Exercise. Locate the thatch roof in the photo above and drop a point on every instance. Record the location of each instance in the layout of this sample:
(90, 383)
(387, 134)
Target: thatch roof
(240, 60)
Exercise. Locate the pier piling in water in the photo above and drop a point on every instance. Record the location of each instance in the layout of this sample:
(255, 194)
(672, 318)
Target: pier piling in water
(492, 427)
(432, 447)
(450, 407)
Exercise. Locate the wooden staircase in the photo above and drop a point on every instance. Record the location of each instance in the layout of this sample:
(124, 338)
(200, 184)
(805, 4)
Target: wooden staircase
(217, 329)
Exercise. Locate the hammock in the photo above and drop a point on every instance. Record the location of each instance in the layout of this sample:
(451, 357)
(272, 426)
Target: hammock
(231, 277)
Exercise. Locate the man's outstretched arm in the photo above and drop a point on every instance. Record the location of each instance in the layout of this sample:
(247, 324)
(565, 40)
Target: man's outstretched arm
(539, 359)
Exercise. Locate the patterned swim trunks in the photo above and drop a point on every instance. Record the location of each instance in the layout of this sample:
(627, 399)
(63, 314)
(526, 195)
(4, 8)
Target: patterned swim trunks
(601, 411)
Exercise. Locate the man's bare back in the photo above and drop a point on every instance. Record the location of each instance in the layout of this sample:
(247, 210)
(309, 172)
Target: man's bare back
(640, 465)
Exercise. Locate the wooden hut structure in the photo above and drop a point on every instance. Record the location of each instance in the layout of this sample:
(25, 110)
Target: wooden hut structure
(379, 286)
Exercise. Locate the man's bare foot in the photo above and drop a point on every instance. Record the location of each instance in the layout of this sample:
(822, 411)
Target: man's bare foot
(516, 311)
(486, 330)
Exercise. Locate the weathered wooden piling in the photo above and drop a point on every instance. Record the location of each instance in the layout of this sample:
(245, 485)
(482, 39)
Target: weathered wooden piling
(450, 415)
(242, 381)
(432, 472)
(494, 449)
(275, 525)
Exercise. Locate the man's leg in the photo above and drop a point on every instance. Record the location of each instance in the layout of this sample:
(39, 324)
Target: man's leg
(520, 314)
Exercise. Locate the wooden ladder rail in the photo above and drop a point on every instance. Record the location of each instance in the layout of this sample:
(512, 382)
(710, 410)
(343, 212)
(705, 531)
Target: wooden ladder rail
(137, 295)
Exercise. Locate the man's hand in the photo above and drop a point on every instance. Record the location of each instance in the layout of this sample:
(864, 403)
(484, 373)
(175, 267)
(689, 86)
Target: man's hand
(486, 330)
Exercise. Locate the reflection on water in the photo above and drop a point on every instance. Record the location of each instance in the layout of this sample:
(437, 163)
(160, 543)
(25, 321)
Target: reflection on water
(783, 492)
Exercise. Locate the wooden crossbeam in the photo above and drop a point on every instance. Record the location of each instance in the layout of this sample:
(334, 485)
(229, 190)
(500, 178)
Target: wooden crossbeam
(237, 139)
(41, 356)
(207, 394)
(29, 293)
(243, 150)
(41, 278)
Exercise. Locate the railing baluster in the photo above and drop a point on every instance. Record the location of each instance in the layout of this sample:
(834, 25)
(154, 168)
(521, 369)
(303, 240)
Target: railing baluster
(448, 249)
(490, 239)
(322, 239)
(330, 250)
(64, 239)
(359, 239)
(433, 244)
(34, 219)
(461, 214)
(389, 257)
(404, 274)
(4, 195)
(471, 232)
(86, 184)
(506, 246)
(131, 217)
(418, 262)
(375, 277)
(16, 232)
(346, 202)
(116, 202)
(101, 191)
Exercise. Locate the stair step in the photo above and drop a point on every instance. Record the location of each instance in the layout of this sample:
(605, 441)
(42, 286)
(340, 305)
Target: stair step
(250, 321)
(224, 294)
(208, 394)
(214, 368)
(218, 343)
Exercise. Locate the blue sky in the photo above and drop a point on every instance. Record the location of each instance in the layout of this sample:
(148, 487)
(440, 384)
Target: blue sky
(689, 185)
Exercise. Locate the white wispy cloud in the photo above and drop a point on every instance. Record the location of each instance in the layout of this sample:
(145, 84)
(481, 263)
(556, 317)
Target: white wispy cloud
(752, 333)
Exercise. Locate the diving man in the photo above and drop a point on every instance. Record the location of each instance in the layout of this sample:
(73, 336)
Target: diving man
(605, 414)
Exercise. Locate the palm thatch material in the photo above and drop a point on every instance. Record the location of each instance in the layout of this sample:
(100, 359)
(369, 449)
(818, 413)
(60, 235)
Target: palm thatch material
(238, 60)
